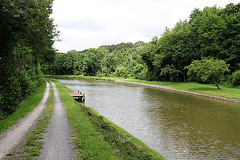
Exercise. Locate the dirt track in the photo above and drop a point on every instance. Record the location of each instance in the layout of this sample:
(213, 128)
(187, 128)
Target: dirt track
(13, 136)
(57, 139)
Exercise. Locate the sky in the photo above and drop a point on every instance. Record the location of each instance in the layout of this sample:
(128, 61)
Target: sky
(85, 24)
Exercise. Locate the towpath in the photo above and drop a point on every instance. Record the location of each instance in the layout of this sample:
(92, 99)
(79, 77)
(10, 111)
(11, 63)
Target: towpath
(13, 136)
(57, 139)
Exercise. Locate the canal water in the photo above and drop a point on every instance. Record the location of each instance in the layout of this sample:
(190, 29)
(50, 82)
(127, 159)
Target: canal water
(177, 125)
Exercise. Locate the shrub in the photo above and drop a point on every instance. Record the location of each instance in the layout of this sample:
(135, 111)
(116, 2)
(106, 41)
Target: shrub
(139, 72)
(121, 72)
(236, 78)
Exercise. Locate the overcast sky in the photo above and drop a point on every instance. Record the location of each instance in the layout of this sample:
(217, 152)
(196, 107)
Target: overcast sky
(88, 24)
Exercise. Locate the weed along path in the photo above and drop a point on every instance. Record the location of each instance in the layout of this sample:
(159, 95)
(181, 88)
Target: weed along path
(13, 136)
(57, 139)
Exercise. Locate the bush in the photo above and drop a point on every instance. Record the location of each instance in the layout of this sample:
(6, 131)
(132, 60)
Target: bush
(16, 86)
(11, 93)
(2, 115)
(25, 83)
(139, 72)
(236, 78)
(121, 72)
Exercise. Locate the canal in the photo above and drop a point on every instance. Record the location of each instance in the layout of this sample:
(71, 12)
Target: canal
(177, 125)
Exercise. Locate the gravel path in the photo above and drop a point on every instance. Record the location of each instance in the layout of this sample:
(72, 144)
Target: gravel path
(177, 90)
(13, 136)
(57, 139)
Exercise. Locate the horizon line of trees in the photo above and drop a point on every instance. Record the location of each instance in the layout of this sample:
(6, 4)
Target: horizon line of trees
(210, 38)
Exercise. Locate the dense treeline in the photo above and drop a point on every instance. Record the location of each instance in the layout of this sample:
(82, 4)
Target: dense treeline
(26, 37)
(122, 60)
(211, 35)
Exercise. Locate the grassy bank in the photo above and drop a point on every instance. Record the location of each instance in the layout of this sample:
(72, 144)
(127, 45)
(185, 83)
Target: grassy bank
(226, 91)
(98, 138)
(24, 108)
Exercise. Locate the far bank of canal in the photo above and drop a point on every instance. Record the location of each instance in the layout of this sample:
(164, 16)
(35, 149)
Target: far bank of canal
(177, 125)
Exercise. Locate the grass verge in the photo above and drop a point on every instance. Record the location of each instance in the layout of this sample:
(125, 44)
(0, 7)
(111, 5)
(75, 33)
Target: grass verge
(33, 145)
(226, 91)
(25, 107)
(98, 138)
(208, 89)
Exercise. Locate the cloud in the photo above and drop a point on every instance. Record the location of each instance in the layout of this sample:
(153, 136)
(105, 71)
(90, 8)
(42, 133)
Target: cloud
(91, 23)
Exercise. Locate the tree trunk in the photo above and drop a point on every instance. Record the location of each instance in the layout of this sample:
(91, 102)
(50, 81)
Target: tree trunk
(171, 79)
(217, 85)
(185, 79)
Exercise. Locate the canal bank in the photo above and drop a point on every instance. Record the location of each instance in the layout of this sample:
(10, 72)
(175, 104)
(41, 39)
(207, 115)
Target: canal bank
(97, 137)
(226, 93)
(177, 90)
(176, 125)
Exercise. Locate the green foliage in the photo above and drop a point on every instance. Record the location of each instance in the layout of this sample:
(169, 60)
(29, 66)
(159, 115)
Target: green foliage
(104, 61)
(27, 36)
(236, 78)
(139, 71)
(208, 70)
(121, 72)
(209, 33)
(170, 71)
(24, 108)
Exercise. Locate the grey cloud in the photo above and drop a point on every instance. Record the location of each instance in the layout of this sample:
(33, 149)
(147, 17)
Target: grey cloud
(85, 25)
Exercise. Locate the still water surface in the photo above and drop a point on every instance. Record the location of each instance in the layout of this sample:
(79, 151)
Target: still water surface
(177, 125)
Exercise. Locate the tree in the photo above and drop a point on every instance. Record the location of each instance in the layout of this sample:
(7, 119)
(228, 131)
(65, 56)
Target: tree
(92, 61)
(208, 70)
(149, 57)
(231, 53)
(170, 71)
(236, 78)
(139, 71)
(108, 64)
(121, 72)
(26, 36)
